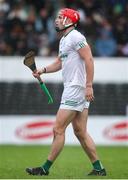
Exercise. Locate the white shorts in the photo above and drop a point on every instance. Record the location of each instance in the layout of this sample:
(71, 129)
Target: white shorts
(73, 98)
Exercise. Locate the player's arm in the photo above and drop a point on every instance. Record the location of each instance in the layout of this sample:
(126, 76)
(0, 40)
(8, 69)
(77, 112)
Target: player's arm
(86, 55)
(55, 66)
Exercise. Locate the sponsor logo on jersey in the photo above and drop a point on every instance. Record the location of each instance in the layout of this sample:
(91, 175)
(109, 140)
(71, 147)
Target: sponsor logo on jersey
(63, 56)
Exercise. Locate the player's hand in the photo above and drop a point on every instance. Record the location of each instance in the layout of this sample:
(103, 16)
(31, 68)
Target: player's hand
(37, 73)
(89, 94)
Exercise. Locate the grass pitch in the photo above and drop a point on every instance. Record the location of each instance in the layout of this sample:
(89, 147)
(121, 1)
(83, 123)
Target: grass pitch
(71, 164)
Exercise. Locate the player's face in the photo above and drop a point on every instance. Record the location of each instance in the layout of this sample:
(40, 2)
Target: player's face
(59, 22)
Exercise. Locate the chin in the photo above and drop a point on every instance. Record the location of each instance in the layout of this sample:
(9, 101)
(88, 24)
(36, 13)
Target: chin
(57, 28)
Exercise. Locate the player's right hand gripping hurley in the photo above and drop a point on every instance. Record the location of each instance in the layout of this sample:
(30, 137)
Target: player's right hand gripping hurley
(29, 61)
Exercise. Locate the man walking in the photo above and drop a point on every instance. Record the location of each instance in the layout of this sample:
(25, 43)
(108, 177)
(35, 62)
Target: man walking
(76, 61)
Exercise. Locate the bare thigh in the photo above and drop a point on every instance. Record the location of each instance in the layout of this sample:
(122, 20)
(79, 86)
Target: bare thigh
(79, 122)
(63, 118)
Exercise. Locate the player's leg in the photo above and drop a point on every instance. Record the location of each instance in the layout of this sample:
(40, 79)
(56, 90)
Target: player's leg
(64, 117)
(79, 124)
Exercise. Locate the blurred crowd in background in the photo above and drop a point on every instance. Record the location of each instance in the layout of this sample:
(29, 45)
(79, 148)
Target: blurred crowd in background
(29, 25)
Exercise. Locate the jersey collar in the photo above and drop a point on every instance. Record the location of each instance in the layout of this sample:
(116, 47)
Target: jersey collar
(69, 32)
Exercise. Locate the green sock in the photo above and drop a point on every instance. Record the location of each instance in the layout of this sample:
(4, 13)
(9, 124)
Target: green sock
(47, 165)
(97, 165)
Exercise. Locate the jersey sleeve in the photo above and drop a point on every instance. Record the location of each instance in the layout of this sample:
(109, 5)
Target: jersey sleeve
(79, 41)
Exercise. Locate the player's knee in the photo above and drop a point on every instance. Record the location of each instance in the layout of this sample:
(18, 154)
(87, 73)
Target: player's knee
(57, 131)
(79, 134)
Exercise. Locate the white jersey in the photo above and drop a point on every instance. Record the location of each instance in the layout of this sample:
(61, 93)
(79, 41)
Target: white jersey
(73, 66)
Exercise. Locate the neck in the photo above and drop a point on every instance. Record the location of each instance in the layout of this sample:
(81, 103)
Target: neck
(66, 31)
